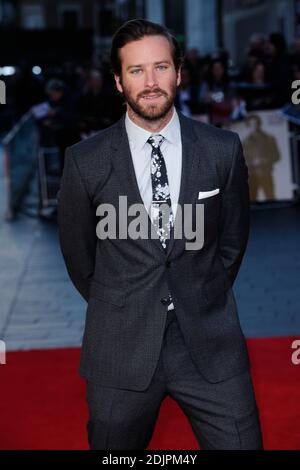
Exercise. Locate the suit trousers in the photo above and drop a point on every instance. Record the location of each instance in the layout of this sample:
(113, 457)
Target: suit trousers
(223, 416)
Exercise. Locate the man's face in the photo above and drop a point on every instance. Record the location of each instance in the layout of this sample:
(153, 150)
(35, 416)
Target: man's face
(149, 80)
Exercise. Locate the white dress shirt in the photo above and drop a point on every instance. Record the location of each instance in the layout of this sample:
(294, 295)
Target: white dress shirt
(141, 155)
(141, 150)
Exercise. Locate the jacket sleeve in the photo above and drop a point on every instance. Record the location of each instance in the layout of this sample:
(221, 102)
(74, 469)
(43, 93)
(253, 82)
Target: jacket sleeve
(234, 220)
(76, 226)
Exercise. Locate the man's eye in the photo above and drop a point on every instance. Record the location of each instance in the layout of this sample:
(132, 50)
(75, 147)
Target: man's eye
(135, 71)
(162, 67)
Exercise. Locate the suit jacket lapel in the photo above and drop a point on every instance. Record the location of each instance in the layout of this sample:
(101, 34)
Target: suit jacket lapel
(189, 172)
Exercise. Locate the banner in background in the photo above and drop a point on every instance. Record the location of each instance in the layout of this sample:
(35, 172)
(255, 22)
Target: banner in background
(265, 139)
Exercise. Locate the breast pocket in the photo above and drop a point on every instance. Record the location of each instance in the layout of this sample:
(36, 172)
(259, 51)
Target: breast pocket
(206, 218)
(211, 204)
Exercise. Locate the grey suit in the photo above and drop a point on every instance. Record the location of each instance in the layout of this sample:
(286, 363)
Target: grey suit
(126, 281)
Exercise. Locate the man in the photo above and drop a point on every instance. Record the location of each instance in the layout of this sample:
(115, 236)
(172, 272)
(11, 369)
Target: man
(161, 317)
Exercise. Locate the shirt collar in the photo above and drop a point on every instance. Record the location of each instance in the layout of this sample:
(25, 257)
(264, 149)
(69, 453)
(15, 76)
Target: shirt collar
(138, 136)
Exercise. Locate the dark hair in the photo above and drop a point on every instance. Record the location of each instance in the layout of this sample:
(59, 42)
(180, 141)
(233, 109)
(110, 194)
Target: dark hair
(136, 29)
(210, 77)
(54, 84)
(279, 42)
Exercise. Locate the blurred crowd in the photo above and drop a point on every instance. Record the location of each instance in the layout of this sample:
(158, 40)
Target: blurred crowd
(212, 85)
(72, 101)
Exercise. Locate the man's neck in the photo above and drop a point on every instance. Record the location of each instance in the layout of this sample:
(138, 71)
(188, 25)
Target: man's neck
(151, 126)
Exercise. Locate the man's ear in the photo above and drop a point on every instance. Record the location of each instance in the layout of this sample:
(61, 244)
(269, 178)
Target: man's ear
(118, 83)
(178, 81)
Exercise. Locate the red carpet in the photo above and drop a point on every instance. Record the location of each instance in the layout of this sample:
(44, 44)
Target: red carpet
(43, 406)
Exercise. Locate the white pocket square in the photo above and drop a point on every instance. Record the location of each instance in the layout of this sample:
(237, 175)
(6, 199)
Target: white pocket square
(203, 194)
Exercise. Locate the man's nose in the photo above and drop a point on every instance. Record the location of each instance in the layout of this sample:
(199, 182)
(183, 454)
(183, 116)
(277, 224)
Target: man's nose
(150, 78)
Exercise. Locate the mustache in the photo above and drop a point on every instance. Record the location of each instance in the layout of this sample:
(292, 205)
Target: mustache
(150, 92)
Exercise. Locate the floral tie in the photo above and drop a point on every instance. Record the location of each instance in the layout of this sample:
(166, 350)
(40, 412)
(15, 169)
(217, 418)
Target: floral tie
(161, 208)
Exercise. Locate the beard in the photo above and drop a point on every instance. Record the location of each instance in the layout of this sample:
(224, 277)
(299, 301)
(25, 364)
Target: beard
(150, 111)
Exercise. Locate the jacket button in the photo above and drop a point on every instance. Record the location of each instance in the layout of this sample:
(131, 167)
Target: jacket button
(164, 300)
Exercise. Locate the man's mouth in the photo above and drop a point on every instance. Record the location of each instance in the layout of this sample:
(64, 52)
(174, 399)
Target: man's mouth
(152, 96)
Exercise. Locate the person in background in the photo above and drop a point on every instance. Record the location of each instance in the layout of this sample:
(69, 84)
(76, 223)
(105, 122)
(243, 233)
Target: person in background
(57, 121)
(94, 105)
(260, 94)
(257, 44)
(217, 82)
(187, 95)
(278, 68)
(215, 93)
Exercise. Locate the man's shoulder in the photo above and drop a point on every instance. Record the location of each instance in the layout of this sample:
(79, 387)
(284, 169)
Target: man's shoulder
(210, 133)
(91, 156)
(217, 145)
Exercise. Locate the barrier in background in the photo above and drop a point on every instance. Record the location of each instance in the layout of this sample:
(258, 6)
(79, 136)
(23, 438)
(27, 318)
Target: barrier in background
(20, 147)
(271, 151)
(49, 175)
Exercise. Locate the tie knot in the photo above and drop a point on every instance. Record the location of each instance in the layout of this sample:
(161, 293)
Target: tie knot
(155, 140)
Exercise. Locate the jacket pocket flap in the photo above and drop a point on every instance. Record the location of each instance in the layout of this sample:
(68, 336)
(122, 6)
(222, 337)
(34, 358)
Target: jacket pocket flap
(107, 293)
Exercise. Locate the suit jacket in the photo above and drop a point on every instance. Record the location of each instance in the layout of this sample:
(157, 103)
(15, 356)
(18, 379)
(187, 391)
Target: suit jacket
(126, 281)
